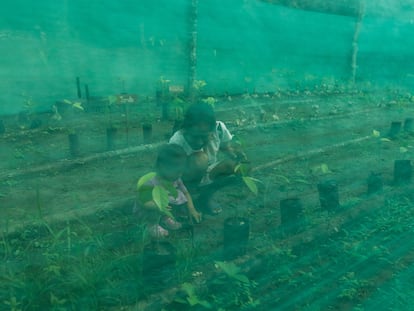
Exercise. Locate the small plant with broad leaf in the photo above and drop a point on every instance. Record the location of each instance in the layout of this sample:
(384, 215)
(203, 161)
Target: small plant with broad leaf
(234, 286)
(191, 297)
(210, 101)
(75, 105)
(159, 193)
(179, 106)
(250, 182)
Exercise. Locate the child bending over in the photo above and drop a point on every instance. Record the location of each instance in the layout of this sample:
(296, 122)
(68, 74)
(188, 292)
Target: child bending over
(170, 165)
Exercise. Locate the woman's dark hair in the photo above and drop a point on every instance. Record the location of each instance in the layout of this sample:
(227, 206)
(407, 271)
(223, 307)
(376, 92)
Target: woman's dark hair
(199, 113)
(170, 154)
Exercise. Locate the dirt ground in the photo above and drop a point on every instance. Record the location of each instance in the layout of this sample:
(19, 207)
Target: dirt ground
(93, 198)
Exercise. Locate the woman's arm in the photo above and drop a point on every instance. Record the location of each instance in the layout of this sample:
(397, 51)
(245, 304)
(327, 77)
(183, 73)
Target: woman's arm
(235, 154)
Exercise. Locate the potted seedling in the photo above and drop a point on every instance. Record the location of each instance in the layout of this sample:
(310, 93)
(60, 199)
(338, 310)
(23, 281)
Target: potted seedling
(329, 195)
(197, 90)
(147, 128)
(73, 137)
(2, 127)
(403, 171)
(111, 137)
(409, 125)
(210, 101)
(163, 97)
(178, 106)
(374, 183)
(292, 215)
(237, 228)
(74, 147)
(395, 129)
(26, 118)
(111, 130)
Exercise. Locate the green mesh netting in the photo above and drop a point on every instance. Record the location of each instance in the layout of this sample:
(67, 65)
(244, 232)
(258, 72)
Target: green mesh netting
(318, 95)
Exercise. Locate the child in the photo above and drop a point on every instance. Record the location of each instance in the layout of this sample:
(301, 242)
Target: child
(170, 164)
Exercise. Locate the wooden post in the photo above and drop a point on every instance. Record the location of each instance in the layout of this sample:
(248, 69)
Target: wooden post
(354, 58)
(87, 92)
(78, 87)
(192, 65)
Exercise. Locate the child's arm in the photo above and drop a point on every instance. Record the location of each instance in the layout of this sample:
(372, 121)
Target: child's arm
(190, 205)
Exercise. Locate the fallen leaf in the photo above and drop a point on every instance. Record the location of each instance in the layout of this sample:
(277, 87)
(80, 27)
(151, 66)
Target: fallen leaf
(376, 133)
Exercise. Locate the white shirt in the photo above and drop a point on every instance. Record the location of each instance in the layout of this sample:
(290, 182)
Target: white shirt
(219, 136)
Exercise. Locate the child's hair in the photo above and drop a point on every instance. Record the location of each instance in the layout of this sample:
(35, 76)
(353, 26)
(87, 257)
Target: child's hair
(170, 154)
(199, 113)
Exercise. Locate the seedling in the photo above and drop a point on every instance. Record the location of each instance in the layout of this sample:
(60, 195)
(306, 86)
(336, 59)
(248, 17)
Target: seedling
(179, 106)
(238, 287)
(250, 182)
(159, 193)
(74, 105)
(210, 101)
(192, 298)
(199, 84)
(13, 304)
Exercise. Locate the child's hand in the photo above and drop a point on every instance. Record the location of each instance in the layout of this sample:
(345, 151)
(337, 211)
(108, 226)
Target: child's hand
(196, 215)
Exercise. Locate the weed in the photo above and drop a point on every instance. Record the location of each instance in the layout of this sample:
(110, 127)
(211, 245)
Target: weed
(233, 288)
(351, 286)
(191, 297)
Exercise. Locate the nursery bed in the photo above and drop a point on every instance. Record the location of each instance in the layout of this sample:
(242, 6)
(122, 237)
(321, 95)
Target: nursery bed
(78, 234)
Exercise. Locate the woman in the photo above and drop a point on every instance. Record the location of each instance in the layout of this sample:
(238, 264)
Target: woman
(202, 138)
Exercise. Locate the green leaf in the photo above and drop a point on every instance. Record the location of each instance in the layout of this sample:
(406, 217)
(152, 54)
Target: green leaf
(232, 271)
(160, 197)
(78, 106)
(325, 169)
(284, 178)
(376, 133)
(192, 298)
(169, 187)
(251, 184)
(144, 179)
(188, 288)
(228, 268)
(302, 181)
(242, 168)
(242, 278)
